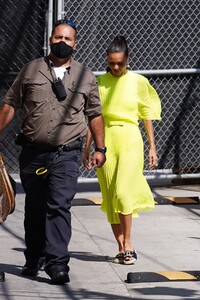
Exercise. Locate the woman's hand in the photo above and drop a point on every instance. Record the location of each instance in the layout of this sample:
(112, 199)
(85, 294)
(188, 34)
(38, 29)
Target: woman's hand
(153, 158)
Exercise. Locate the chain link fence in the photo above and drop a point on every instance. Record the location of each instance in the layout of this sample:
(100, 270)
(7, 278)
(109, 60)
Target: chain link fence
(22, 35)
(162, 36)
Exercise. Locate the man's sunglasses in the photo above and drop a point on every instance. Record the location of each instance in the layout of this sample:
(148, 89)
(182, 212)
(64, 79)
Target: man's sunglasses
(65, 21)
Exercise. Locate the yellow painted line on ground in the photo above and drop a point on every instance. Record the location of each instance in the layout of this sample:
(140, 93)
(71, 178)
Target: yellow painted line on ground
(96, 200)
(177, 275)
(183, 200)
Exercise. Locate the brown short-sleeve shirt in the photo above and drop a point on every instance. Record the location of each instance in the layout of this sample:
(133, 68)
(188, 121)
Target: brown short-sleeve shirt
(45, 119)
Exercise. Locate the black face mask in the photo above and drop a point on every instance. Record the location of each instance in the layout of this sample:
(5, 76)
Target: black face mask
(61, 50)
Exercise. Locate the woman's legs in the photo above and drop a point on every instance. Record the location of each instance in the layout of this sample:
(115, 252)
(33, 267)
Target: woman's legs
(126, 223)
(122, 232)
(118, 233)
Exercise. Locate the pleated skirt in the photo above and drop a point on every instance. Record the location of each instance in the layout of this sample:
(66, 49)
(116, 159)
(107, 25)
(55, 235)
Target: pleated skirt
(123, 186)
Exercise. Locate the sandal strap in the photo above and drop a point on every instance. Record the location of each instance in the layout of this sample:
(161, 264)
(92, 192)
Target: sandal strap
(130, 254)
(120, 255)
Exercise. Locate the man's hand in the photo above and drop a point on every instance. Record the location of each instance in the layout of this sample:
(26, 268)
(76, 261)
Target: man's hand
(86, 159)
(99, 159)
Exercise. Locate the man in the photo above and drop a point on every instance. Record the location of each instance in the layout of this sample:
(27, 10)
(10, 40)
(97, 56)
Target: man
(57, 95)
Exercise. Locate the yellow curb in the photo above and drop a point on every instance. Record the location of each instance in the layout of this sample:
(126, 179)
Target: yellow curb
(95, 200)
(183, 200)
(177, 275)
(163, 276)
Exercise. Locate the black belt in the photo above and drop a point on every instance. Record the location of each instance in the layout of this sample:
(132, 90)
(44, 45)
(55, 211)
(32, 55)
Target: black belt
(76, 145)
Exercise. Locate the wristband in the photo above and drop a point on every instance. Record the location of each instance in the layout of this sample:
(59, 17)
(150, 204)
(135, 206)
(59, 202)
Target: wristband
(102, 150)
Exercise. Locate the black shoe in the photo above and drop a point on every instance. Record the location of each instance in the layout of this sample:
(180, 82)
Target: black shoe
(58, 274)
(32, 267)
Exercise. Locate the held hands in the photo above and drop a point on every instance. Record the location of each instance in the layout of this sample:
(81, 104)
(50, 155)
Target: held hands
(97, 161)
(153, 159)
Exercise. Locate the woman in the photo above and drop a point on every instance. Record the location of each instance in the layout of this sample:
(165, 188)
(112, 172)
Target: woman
(126, 97)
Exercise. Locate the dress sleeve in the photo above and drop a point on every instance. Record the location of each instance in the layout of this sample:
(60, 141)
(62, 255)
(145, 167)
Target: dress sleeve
(149, 105)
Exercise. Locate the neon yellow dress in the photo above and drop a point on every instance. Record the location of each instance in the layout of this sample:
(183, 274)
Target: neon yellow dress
(125, 100)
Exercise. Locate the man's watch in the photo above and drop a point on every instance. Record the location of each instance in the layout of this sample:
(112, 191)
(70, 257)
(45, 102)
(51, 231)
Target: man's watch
(102, 150)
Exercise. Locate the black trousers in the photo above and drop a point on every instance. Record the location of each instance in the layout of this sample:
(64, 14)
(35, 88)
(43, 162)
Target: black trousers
(48, 200)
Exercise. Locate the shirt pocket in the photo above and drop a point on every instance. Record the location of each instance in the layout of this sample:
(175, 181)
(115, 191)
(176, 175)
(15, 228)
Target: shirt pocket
(76, 98)
(36, 91)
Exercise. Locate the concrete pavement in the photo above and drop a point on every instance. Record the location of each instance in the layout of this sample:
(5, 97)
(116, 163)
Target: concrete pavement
(166, 239)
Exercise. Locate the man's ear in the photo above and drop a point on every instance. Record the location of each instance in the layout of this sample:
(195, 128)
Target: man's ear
(50, 40)
(75, 44)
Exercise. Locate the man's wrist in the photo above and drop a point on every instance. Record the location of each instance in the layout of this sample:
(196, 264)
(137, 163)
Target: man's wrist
(101, 149)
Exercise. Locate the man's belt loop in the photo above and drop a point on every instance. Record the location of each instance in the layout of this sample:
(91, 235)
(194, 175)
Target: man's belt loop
(76, 145)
